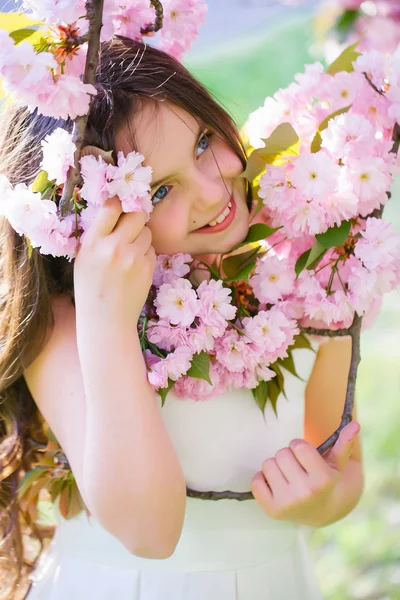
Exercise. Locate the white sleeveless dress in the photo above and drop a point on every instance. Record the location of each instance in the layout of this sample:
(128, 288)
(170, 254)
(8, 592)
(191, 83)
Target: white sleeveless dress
(229, 550)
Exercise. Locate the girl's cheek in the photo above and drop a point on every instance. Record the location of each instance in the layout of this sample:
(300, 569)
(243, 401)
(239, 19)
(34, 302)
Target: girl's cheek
(167, 228)
(229, 164)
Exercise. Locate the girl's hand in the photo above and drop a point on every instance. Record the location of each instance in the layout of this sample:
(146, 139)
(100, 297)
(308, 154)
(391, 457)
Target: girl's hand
(114, 266)
(298, 483)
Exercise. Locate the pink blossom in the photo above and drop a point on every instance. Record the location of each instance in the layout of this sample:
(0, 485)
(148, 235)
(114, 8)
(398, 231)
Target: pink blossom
(380, 244)
(67, 97)
(171, 267)
(273, 279)
(202, 337)
(129, 18)
(215, 304)
(182, 19)
(369, 180)
(177, 302)
(315, 174)
(24, 71)
(27, 212)
(58, 155)
(347, 134)
(56, 11)
(307, 217)
(131, 182)
(94, 173)
(172, 367)
(272, 331)
(60, 240)
(232, 351)
(342, 89)
(375, 65)
(167, 336)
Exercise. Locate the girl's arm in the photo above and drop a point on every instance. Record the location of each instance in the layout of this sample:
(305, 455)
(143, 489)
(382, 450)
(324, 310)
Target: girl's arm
(298, 484)
(91, 385)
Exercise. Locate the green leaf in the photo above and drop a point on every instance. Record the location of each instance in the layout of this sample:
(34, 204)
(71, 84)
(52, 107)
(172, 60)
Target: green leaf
(234, 265)
(283, 140)
(344, 62)
(288, 364)
(273, 393)
(29, 480)
(260, 394)
(301, 262)
(301, 341)
(164, 391)
(200, 367)
(41, 183)
(317, 141)
(316, 255)
(345, 23)
(279, 377)
(19, 35)
(259, 231)
(243, 274)
(334, 236)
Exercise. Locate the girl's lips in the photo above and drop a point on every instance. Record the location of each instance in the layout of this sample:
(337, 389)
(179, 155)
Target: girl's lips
(220, 226)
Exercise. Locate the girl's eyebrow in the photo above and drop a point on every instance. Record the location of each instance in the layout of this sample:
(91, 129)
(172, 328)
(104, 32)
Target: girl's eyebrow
(200, 130)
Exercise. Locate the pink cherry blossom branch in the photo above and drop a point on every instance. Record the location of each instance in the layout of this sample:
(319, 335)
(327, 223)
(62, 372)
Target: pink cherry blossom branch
(94, 12)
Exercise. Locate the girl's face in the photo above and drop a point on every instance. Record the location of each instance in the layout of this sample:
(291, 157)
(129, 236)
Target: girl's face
(195, 182)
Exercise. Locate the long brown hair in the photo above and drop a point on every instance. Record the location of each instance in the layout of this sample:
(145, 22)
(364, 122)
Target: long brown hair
(128, 73)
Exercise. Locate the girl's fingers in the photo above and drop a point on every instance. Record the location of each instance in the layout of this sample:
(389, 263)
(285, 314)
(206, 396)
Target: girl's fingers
(308, 456)
(129, 226)
(274, 476)
(262, 492)
(106, 218)
(290, 467)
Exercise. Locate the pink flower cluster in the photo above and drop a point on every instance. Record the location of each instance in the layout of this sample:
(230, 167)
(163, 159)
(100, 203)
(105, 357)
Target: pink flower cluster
(129, 180)
(341, 174)
(352, 171)
(182, 19)
(377, 24)
(31, 78)
(204, 320)
(39, 219)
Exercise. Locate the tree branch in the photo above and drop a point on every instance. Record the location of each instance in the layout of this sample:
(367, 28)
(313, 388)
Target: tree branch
(94, 12)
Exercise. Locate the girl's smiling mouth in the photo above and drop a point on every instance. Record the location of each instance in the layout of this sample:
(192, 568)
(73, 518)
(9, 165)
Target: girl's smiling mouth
(221, 221)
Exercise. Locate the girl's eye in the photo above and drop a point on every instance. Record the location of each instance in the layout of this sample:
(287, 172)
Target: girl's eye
(203, 144)
(160, 194)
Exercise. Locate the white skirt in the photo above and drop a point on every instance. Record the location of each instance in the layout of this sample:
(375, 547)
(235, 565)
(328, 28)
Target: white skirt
(228, 550)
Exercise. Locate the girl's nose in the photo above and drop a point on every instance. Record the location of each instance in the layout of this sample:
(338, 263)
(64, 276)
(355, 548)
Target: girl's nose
(209, 191)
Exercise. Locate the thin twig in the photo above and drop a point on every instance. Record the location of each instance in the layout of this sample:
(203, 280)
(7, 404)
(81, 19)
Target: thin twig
(94, 12)
(158, 23)
(347, 416)
(227, 495)
(377, 90)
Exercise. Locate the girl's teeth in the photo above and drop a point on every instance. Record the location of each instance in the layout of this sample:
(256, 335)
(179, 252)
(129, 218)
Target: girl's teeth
(222, 216)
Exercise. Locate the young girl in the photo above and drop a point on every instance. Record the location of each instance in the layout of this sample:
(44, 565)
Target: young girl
(69, 335)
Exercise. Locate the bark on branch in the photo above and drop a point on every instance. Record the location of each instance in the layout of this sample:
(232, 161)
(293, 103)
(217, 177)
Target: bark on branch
(94, 12)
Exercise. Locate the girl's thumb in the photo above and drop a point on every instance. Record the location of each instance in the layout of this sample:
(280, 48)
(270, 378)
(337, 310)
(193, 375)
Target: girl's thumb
(340, 453)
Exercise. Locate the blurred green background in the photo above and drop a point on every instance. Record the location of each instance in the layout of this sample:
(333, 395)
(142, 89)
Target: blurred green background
(359, 557)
